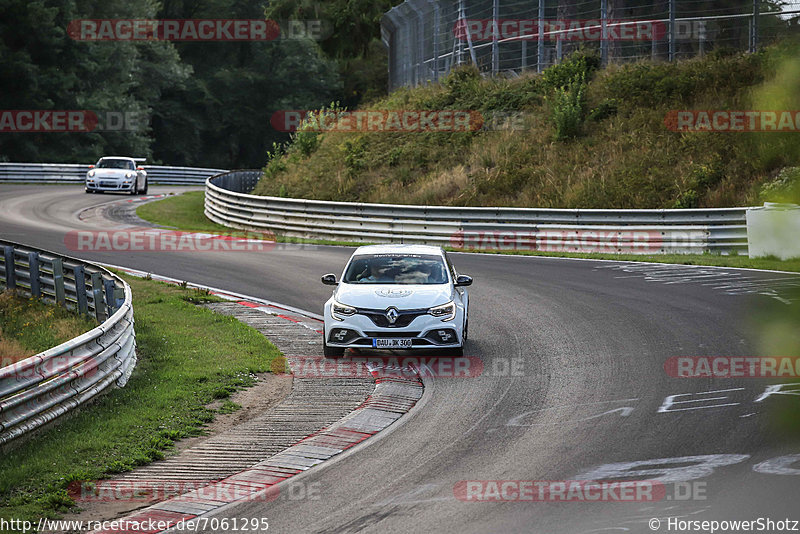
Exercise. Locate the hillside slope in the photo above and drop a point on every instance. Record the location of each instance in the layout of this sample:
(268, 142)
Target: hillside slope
(592, 139)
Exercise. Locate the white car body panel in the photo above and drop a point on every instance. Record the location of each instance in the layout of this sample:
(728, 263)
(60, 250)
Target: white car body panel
(410, 300)
(105, 179)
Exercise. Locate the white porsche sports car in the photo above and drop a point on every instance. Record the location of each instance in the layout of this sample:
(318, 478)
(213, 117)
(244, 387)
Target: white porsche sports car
(117, 173)
(397, 297)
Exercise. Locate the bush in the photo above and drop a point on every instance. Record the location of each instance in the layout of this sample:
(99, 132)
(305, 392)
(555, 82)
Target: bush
(306, 138)
(655, 85)
(605, 109)
(568, 108)
(581, 64)
(784, 188)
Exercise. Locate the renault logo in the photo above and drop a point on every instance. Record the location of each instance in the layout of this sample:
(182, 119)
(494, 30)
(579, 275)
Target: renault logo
(391, 315)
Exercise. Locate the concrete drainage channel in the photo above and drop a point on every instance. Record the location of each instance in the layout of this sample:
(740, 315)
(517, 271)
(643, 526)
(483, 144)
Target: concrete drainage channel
(324, 415)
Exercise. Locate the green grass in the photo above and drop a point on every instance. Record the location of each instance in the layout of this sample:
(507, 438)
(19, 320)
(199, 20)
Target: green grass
(29, 326)
(777, 329)
(183, 212)
(188, 357)
(622, 154)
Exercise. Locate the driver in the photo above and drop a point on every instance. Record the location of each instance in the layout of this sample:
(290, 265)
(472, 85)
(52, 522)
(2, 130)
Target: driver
(375, 274)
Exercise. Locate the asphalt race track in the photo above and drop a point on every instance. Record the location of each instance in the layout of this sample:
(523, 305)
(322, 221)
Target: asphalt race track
(587, 341)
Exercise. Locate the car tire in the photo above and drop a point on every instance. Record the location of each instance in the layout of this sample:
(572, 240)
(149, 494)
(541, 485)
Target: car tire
(332, 352)
(144, 191)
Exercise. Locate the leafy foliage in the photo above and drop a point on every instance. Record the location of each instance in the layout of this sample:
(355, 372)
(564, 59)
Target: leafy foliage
(206, 103)
(568, 108)
(620, 154)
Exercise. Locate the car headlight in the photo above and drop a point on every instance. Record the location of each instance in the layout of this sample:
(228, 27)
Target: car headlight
(339, 311)
(90, 174)
(129, 175)
(445, 312)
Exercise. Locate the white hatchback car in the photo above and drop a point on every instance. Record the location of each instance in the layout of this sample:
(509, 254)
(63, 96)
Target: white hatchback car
(117, 173)
(397, 297)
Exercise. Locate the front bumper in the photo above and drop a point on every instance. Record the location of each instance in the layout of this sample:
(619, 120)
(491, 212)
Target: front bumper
(425, 331)
(109, 185)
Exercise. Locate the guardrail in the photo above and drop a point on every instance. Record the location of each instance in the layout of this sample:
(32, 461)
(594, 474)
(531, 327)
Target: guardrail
(38, 389)
(48, 173)
(722, 230)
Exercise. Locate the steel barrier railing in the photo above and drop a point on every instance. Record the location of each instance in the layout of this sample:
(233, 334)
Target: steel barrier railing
(38, 389)
(76, 173)
(656, 231)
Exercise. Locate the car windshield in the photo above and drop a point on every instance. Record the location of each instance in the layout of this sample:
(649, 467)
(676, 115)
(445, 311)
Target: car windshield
(396, 269)
(115, 164)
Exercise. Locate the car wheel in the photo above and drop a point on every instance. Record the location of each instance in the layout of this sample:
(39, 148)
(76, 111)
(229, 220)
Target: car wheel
(144, 191)
(87, 191)
(332, 352)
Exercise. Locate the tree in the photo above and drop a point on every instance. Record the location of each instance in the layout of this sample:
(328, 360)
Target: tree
(42, 68)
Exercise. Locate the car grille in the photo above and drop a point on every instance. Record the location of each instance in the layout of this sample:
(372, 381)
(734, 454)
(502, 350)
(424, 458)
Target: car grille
(404, 317)
(391, 334)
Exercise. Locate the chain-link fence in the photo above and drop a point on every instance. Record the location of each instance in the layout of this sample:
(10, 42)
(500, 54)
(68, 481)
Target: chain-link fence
(428, 38)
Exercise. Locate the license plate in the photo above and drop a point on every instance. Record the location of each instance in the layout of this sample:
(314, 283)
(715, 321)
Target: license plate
(391, 343)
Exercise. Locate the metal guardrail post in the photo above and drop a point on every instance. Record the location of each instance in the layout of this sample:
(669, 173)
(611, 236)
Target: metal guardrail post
(32, 391)
(97, 296)
(436, 30)
(111, 303)
(80, 289)
(754, 27)
(11, 274)
(58, 280)
(672, 30)
(540, 39)
(33, 269)
(119, 296)
(604, 26)
(495, 45)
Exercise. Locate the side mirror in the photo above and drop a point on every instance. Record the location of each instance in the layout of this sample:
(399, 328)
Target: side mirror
(463, 280)
(139, 168)
(330, 280)
(91, 166)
